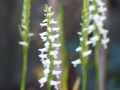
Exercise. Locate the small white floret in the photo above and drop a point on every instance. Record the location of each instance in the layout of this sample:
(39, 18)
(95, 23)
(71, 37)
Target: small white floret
(78, 49)
(54, 53)
(52, 39)
(57, 62)
(56, 73)
(43, 56)
(43, 34)
(56, 45)
(76, 62)
(31, 34)
(46, 72)
(42, 81)
(43, 24)
(91, 8)
(43, 50)
(23, 43)
(49, 29)
(46, 45)
(45, 20)
(56, 29)
(87, 53)
(55, 83)
(56, 36)
(105, 41)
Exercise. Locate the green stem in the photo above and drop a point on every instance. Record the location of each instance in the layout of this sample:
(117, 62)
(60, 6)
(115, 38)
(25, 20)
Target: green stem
(97, 68)
(84, 77)
(24, 70)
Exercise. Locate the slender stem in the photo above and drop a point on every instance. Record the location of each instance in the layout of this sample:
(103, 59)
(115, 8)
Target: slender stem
(84, 77)
(24, 70)
(97, 68)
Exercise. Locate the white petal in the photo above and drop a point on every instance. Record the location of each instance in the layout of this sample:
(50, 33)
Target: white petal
(105, 41)
(89, 42)
(91, 8)
(55, 83)
(43, 24)
(56, 45)
(78, 49)
(42, 81)
(54, 53)
(43, 56)
(56, 29)
(23, 43)
(53, 22)
(46, 45)
(31, 34)
(52, 38)
(43, 34)
(76, 62)
(44, 39)
(45, 20)
(43, 50)
(46, 72)
(56, 73)
(24, 27)
(56, 36)
(49, 29)
(87, 53)
(79, 33)
(57, 62)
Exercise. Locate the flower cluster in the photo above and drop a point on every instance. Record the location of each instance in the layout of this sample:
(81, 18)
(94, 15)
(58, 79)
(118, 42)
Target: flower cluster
(49, 52)
(97, 16)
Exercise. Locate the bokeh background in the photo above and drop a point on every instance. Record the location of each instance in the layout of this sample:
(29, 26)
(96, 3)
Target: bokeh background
(11, 51)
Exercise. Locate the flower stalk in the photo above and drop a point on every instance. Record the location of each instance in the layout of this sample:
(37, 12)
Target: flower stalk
(25, 34)
(84, 44)
(49, 52)
(64, 78)
(97, 11)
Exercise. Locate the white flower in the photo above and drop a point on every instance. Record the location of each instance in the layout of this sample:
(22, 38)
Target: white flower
(79, 33)
(46, 45)
(52, 38)
(46, 72)
(56, 45)
(44, 39)
(81, 39)
(54, 53)
(91, 28)
(42, 81)
(56, 73)
(102, 17)
(56, 36)
(43, 50)
(102, 9)
(43, 56)
(31, 34)
(49, 29)
(91, 8)
(105, 41)
(76, 62)
(86, 53)
(46, 63)
(57, 62)
(78, 49)
(49, 14)
(43, 24)
(55, 83)
(24, 27)
(43, 34)
(23, 43)
(89, 42)
(56, 29)
(53, 22)
(94, 39)
(45, 20)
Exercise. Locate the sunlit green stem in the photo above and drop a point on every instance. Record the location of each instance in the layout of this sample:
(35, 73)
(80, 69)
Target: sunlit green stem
(84, 77)
(24, 70)
(97, 68)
